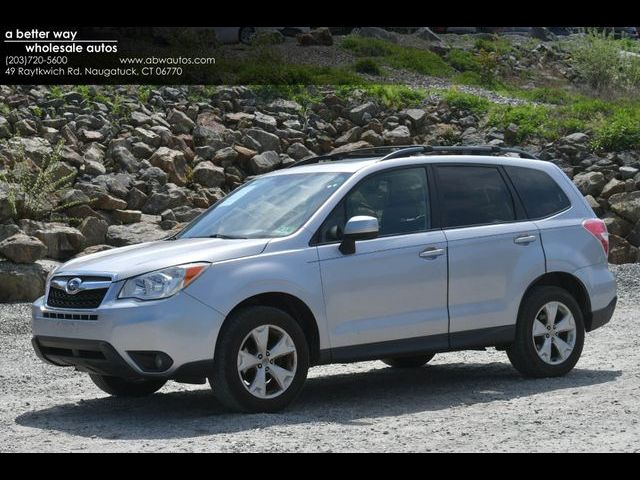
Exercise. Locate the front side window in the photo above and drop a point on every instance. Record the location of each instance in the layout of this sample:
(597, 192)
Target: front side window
(267, 207)
(398, 199)
(471, 195)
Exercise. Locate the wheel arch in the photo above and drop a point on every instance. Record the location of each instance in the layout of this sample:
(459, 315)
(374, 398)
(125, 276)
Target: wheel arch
(571, 284)
(291, 304)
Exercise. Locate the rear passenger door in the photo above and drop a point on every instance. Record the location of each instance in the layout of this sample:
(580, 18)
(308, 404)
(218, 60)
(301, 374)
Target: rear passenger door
(494, 252)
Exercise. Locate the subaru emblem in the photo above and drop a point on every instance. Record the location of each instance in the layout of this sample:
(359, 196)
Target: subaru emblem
(73, 286)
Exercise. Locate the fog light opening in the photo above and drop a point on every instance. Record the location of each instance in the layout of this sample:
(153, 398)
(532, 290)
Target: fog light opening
(151, 361)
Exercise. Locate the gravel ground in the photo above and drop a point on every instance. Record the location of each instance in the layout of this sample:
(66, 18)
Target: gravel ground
(467, 401)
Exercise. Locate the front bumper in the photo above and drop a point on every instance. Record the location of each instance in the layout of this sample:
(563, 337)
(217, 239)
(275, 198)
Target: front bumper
(180, 326)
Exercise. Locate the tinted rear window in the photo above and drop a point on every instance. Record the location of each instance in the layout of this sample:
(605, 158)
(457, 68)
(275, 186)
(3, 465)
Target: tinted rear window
(539, 193)
(471, 195)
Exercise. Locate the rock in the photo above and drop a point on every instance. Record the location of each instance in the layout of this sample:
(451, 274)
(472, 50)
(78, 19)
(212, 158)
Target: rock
(266, 122)
(94, 249)
(621, 251)
(169, 197)
(148, 137)
(62, 241)
(612, 187)
(94, 169)
(634, 236)
(266, 141)
(94, 230)
(21, 248)
(185, 213)
(225, 157)
(125, 159)
(35, 148)
(616, 225)
(595, 206)
(286, 106)
(264, 162)
(122, 235)
(318, 36)
(416, 116)
(172, 162)
(379, 33)
(5, 128)
(154, 176)
(69, 155)
(627, 205)
(627, 172)
(104, 201)
(208, 175)
(207, 137)
(91, 136)
(25, 128)
(180, 122)
(349, 147)
(511, 134)
(590, 183)
(141, 150)
(7, 231)
(168, 215)
(398, 136)
(244, 153)
(362, 113)
(542, 33)
(350, 136)
(139, 118)
(127, 216)
(372, 137)
(21, 282)
(577, 138)
(136, 199)
(298, 151)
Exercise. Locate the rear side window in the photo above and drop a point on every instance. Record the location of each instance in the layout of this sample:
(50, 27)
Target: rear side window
(539, 193)
(472, 195)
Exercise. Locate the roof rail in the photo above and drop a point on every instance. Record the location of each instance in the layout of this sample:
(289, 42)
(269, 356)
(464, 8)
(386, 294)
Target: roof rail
(398, 151)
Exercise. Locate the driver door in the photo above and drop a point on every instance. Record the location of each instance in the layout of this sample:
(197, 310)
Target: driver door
(393, 289)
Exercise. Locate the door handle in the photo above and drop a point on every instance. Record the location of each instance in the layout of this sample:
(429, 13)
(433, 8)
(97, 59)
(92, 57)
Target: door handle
(524, 239)
(431, 252)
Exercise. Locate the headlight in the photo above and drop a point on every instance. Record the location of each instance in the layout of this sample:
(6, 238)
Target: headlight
(161, 283)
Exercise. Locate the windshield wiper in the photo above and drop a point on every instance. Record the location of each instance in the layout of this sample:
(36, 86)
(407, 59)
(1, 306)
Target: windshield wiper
(227, 237)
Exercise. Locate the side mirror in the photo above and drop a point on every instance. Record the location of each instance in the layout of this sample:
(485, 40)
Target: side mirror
(358, 228)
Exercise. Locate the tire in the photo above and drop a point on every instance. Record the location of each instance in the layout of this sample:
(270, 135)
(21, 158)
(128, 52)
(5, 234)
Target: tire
(524, 352)
(409, 362)
(122, 387)
(231, 385)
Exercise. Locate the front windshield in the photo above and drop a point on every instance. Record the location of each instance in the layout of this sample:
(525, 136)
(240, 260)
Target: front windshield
(267, 207)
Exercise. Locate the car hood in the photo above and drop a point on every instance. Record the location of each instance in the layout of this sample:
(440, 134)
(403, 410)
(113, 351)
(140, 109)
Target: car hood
(134, 260)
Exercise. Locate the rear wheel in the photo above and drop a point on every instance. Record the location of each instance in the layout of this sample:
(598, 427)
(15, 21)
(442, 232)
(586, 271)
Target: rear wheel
(123, 387)
(549, 333)
(409, 362)
(261, 360)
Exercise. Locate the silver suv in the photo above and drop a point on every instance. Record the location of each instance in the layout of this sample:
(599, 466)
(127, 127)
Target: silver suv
(393, 253)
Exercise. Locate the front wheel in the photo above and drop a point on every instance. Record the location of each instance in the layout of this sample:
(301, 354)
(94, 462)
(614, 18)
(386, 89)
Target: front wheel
(549, 333)
(123, 387)
(261, 360)
(409, 362)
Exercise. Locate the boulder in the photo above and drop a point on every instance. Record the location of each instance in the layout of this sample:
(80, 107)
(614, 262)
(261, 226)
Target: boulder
(173, 162)
(634, 236)
(627, 205)
(62, 241)
(626, 172)
(266, 141)
(379, 33)
(127, 216)
(124, 158)
(20, 282)
(318, 36)
(104, 201)
(94, 249)
(208, 175)
(9, 230)
(298, 151)
(621, 251)
(94, 230)
(21, 248)
(349, 147)
(264, 162)
(225, 157)
(122, 235)
(265, 122)
(180, 122)
(590, 183)
(5, 128)
(398, 136)
(612, 187)
(361, 114)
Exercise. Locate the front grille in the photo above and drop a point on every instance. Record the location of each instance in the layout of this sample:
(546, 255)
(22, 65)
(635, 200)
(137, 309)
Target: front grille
(85, 299)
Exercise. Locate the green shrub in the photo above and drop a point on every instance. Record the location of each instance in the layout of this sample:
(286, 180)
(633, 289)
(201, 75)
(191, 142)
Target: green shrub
(143, 93)
(305, 95)
(500, 46)
(397, 56)
(55, 91)
(621, 131)
(367, 66)
(466, 101)
(32, 191)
